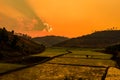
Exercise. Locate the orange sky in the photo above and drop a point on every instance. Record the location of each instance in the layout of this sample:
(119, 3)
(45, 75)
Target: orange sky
(69, 18)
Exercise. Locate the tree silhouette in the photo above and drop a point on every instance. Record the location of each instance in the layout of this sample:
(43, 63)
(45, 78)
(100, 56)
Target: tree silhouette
(14, 41)
(3, 35)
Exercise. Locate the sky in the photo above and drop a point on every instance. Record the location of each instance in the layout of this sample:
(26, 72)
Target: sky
(69, 18)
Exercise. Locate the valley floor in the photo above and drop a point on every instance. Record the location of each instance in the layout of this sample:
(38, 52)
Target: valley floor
(66, 64)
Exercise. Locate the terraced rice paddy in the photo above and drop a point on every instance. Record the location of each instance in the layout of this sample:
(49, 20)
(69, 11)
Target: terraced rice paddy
(4, 67)
(77, 65)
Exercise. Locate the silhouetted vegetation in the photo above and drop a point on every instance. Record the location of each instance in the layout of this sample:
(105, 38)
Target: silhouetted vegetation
(13, 45)
(14, 41)
(4, 35)
(115, 51)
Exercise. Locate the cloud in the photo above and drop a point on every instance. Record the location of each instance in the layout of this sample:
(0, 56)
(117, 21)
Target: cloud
(31, 21)
(48, 27)
(8, 22)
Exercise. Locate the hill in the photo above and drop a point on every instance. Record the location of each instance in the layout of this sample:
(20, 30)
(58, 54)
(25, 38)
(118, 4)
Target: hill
(14, 45)
(98, 39)
(49, 40)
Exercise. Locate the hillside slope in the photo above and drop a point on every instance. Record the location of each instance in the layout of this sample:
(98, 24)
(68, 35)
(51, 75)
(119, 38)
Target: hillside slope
(12, 45)
(96, 39)
(49, 40)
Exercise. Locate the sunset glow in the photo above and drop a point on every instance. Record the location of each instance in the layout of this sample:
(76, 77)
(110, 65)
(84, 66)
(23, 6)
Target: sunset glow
(70, 18)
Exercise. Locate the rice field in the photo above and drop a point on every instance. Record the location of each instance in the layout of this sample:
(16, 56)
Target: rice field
(56, 72)
(113, 74)
(5, 67)
(71, 66)
(89, 62)
(51, 52)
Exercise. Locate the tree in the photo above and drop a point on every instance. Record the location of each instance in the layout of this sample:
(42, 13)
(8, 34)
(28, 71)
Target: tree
(14, 41)
(12, 31)
(4, 34)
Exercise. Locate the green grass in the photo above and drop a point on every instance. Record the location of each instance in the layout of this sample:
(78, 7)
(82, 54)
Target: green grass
(50, 52)
(56, 72)
(4, 67)
(58, 50)
(78, 56)
(93, 54)
(90, 62)
(88, 52)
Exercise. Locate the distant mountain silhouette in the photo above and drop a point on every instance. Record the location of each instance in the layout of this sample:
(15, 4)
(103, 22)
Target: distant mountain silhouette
(49, 40)
(14, 45)
(98, 39)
